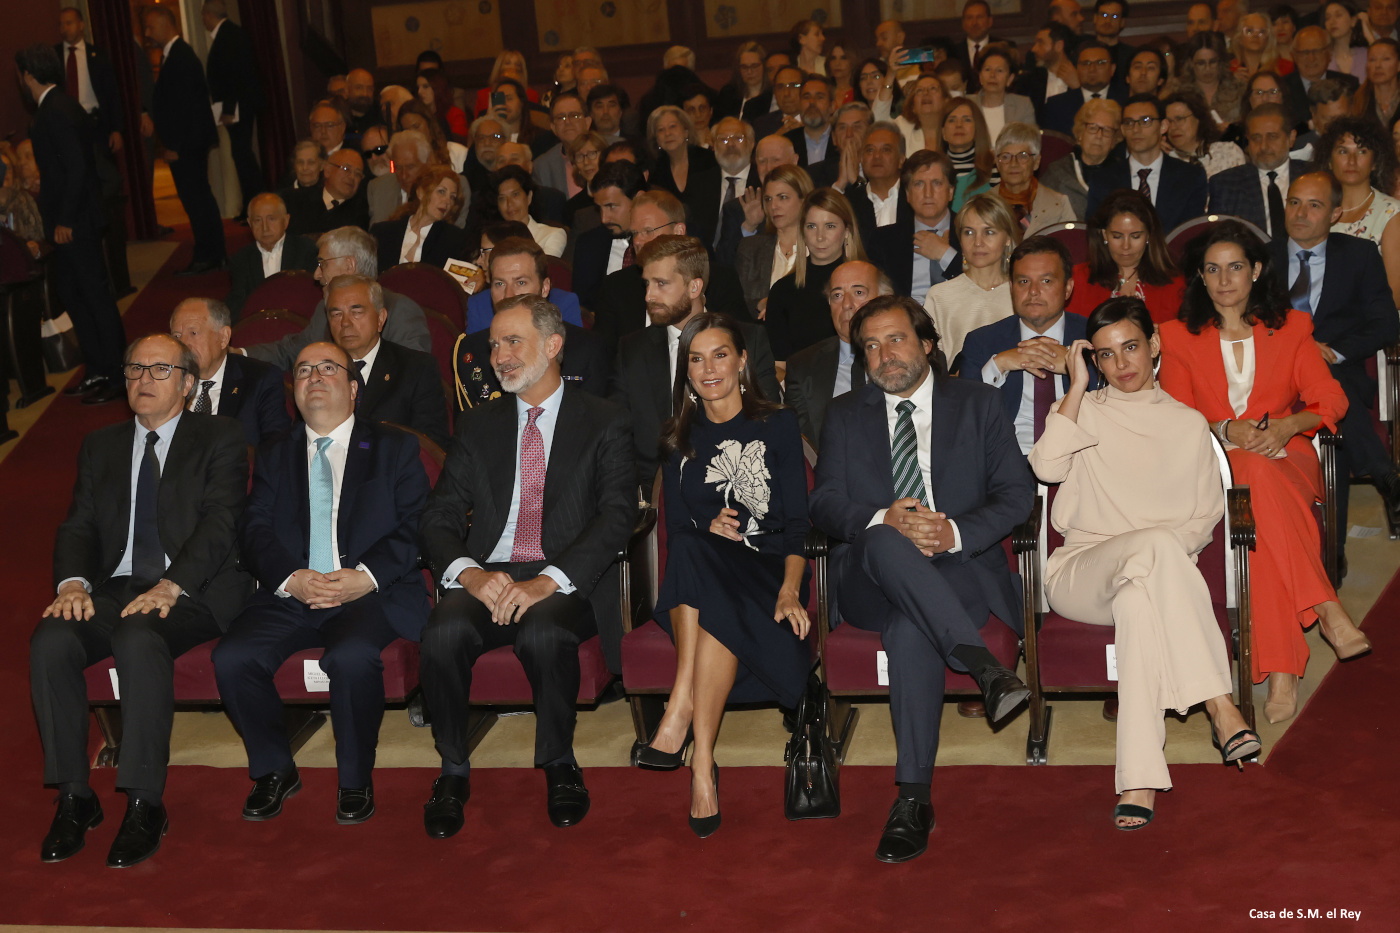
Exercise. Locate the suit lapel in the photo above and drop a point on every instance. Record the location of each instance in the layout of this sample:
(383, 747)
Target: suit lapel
(385, 364)
(659, 370)
(565, 453)
(120, 468)
(1330, 287)
(231, 392)
(877, 440)
(357, 466)
(825, 372)
(501, 452)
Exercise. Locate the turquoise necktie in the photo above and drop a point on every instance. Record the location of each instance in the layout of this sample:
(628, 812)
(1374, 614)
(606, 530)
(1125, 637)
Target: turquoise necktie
(322, 497)
(904, 456)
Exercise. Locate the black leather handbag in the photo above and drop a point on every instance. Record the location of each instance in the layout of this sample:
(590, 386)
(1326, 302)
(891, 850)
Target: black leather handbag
(812, 791)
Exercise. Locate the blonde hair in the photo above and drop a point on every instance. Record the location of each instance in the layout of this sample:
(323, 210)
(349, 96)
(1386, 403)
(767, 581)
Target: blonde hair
(655, 118)
(509, 55)
(993, 210)
(796, 178)
(692, 259)
(833, 202)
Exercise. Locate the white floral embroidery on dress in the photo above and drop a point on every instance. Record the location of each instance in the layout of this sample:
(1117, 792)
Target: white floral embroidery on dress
(740, 471)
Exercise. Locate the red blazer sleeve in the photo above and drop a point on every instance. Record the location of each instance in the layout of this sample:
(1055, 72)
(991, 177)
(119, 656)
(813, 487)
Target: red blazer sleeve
(1317, 389)
(1175, 371)
(457, 122)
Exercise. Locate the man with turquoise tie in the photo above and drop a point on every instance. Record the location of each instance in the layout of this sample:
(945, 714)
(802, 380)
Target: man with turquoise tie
(330, 532)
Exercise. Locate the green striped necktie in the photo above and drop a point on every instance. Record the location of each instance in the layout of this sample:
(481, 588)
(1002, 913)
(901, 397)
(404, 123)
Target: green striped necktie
(904, 456)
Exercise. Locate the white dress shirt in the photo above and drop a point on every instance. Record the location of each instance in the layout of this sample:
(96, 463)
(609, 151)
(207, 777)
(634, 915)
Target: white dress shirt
(619, 247)
(369, 359)
(673, 348)
(165, 49)
(922, 416)
(216, 391)
(1054, 84)
(1153, 180)
(272, 258)
(500, 554)
(886, 208)
(331, 202)
(1100, 94)
(86, 95)
(336, 453)
(1281, 179)
(1025, 414)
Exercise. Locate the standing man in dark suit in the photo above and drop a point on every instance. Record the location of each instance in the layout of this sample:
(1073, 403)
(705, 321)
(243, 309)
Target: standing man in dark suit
(236, 90)
(1340, 280)
(144, 569)
(230, 385)
(401, 386)
(1176, 188)
(1255, 191)
(1054, 72)
(1110, 17)
(1095, 66)
(918, 481)
(91, 80)
(675, 269)
(184, 124)
(331, 534)
(534, 503)
(831, 367)
(71, 205)
(1036, 341)
(272, 250)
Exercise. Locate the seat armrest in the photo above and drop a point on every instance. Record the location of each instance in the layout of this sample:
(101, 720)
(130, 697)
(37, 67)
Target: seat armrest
(1242, 532)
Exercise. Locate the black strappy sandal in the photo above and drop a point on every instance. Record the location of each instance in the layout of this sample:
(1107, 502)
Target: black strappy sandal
(1243, 744)
(1133, 812)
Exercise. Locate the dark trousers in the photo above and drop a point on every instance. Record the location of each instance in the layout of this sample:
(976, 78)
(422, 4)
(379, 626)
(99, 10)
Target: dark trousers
(191, 175)
(546, 640)
(1362, 452)
(240, 140)
(80, 278)
(887, 586)
(145, 648)
(269, 631)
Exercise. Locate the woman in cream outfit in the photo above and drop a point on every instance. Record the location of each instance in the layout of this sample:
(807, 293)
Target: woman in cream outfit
(1140, 495)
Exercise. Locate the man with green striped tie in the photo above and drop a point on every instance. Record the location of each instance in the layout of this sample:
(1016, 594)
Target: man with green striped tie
(919, 480)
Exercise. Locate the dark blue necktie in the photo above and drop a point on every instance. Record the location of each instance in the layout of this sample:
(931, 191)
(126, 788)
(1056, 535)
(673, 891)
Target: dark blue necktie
(147, 556)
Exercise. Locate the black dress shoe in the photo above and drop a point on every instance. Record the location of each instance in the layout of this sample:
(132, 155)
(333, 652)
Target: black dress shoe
(109, 392)
(75, 816)
(354, 804)
(139, 838)
(198, 268)
(268, 793)
(442, 814)
(90, 384)
(906, 831)
(567, 798)
(1002, 691)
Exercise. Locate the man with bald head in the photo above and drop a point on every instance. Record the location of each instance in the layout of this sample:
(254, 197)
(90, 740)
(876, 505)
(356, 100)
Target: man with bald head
(229, 384)
(359, 95)
(830, 367)
(235, 90)
(1069, 13)
(1312, 49)
(340, 201)
(272, 250)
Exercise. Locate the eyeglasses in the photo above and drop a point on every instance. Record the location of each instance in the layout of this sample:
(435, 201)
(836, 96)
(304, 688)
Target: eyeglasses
(1142, 122)
(790, 86)
(326, 368)
(1098, 129)
(326, 126)
(1104, 14)
(568, 117)
(732, 138)
(377, 150)
(482, 137)
(347, 169)
(159, 371)
(587, 155)
(1266, 92)
(1095, 63)
(321, 263)
(1255, 33)
(1006, 158)
(652, 231)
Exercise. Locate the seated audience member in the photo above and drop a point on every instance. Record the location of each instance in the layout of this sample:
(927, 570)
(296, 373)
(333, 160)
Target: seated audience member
(620, 306)
(1327, 101)
(510, 197)
(411, 154)
(339, 202)
(360, 100)
(228, 384)
(1355, 149)
(676, 269)
(877, 89)
(797, 314)
(848, 129)
(832, 367)
(343, 579)
(414, 116)
(435, 95)
(1255, 191)
(604, 249)
(770, 153)
(548, 203)
(1095, 133)
(328, 124)
(391, 99)
(698, 101)
(1128, 257)
(765, 257)
(509, 63)
(953, 75)
(920, 119)
(347, 251)
(1205, 71)
(747, 83)
(927, 181)
(877, 201)
(604, 102)
(531, 278)
(817, 152)
(1233, 304)
(1094, 64)
(914, 528)
(715, 203)
(308, 159)
(987, 233)
(401, 386)
(1340, 281)
(1034, 340)
(139, 584)
(422, 230)
(1139, 499)
(996, 66)
(969, 147)
(568, 120)
(514, 113)
(517, 267)
(1255, 49)
(786, 115)
(1034, 205)
(1194, 136)
(522, 574)
(1311, 50)
(584, 156)
(1054, 71)
(1147, 72)
(272, 250)
(727, 579)
(671, 136)
(488, 136)
(1176, 189)
(374, 146)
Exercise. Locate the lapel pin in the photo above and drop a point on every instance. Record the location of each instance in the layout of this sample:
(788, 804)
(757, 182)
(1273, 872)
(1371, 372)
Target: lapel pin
(235, 391)
(364, 445)
(386, 377)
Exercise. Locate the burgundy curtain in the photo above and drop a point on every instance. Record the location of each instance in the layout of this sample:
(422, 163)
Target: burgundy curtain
(111, 23)
(276, 130)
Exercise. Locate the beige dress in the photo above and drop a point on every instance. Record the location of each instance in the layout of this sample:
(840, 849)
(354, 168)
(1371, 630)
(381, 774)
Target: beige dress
(1139, 499)
(959, 306)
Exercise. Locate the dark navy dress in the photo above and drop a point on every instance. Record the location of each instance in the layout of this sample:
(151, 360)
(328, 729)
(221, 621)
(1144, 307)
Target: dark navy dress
(756, 468)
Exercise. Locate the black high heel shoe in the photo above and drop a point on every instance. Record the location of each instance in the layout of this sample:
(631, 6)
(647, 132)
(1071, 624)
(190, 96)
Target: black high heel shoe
(1243, 744)
(704, 826)
(652, 759)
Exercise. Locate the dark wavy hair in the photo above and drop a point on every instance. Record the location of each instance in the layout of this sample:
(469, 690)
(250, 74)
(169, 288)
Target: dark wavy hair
(918, 317)
(896, 92)
(1207, 131)
(675, 433)
(1268, 302)
(1116, 310)
(1366, 132)
(1156, 266)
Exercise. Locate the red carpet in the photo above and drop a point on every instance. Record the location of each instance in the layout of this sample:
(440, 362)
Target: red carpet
(1015, 848)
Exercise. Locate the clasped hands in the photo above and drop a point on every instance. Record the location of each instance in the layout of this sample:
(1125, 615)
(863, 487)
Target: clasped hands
(328, 590)
(75, 602)
(507, 599)
(930, 531)
(789, 608)
(1272, 439)
(1039, 356)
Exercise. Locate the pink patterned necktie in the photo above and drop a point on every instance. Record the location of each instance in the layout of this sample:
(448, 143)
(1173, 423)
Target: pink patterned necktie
(532, 468)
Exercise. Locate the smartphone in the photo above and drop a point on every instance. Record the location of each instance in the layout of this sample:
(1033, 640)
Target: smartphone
(498, 98)
(918, 56)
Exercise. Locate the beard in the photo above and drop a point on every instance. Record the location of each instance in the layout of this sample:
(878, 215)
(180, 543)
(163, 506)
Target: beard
(732, 164)
(896, 376)
(813, 119)
(658, 312)
(524, 375)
